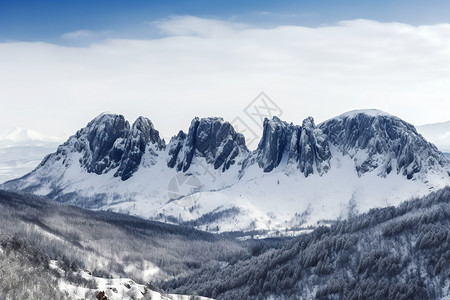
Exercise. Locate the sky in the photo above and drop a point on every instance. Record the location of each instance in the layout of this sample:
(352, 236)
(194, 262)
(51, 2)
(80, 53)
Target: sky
(64, 62)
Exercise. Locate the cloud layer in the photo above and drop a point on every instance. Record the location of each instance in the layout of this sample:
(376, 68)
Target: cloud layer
(205, 67)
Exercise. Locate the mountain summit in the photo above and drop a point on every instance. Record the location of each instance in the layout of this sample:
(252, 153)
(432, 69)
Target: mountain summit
(388, 143)
(297, 176)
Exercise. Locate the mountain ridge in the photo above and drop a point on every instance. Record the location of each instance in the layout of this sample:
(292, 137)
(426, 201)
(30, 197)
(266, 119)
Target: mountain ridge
(112, 165)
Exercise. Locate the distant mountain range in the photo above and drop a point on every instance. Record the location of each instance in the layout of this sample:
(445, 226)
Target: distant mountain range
(21, 150)
(299, 175)
(17, 136)
(438, 134)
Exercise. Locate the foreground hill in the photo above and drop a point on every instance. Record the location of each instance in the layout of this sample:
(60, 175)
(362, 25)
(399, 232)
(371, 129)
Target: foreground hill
(389, 253)
(47, 248)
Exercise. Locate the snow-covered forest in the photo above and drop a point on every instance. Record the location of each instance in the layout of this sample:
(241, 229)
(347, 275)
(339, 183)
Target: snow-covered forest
(388, 253)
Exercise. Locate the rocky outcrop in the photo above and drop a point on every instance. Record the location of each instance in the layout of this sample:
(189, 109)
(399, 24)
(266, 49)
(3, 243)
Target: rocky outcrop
(210, 138)
(107, 143)
(274, 143)
(376, 140)
(140, 138)
(309, 150)
(303, 148)
(98, 142)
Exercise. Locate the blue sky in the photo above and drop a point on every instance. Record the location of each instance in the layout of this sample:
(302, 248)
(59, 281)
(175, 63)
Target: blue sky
(49, 20)
(64, 62)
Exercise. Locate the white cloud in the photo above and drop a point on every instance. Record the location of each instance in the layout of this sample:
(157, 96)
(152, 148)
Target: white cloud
(83, 34)
(78, 34)
(215, 68)
(190, 25)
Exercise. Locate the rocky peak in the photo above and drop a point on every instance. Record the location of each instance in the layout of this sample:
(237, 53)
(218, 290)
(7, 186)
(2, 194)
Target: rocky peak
(309, 150)
(386, 142)
(138, 140)
(211, 138)
(175, 146)
(275, 140)
(143, 129)
(107, 142)
(305, 147)
(96, 141)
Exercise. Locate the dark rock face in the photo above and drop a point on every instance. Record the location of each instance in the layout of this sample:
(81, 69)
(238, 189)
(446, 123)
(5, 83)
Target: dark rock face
(274, 142)
(97, 142)
(211, 138)
(305, 147)
(389, 142)
(309, 149)
(107, 143)
(134, 146)
(175, 146)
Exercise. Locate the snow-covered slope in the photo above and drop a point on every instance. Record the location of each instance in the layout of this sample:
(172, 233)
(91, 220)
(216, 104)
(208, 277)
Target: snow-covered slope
(438, 134)
(112, 288)
(298, 175)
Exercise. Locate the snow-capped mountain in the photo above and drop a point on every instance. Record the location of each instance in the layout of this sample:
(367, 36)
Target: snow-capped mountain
(108, 143)
(388, 144)
(17, 136)
(299, 174)
(438, 134)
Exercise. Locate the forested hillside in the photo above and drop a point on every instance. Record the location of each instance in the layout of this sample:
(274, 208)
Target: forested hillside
(389, 253)
(35, 231)
(25, 272)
